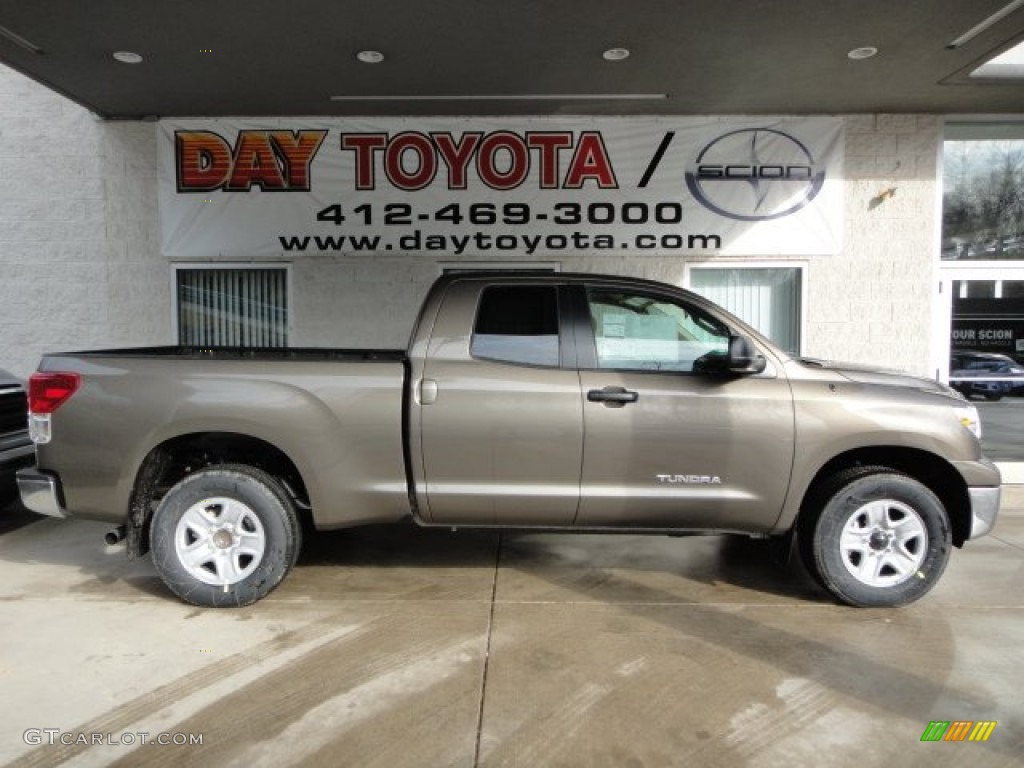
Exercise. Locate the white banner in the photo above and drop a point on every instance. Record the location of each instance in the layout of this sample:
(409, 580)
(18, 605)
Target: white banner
(494, 187)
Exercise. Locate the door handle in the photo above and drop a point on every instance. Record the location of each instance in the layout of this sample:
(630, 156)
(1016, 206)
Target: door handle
(612, 396)
(428, 392)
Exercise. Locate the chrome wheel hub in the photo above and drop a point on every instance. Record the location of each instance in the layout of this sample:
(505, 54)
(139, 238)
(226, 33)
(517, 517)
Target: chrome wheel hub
(220, 541)
(883, 543)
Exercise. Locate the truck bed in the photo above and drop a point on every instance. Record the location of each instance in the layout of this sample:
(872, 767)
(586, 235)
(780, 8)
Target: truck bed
(336, 414)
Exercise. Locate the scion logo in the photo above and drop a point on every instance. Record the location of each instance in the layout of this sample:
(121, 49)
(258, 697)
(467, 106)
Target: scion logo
(755, 174)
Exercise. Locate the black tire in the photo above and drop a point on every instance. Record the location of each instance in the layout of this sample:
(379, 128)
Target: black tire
(897, 537)
(240, 528)
(993, 398)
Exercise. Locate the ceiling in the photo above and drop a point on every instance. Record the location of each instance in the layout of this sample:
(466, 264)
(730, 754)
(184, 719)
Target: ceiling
(512, 57)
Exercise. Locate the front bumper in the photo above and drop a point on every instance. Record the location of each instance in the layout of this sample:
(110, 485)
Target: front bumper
(984, 492)
(41, 492)
(984, 509)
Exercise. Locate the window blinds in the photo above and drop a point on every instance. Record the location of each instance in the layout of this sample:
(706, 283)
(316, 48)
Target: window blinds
(233, 307)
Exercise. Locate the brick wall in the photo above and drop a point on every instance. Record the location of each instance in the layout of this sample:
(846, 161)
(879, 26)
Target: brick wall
(80, 264)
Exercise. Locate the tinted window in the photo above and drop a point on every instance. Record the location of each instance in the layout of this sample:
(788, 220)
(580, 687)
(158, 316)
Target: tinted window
(650, 333)
(518, 324)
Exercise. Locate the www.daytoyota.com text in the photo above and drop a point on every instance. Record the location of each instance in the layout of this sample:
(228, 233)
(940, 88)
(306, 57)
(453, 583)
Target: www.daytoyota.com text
(487, 215)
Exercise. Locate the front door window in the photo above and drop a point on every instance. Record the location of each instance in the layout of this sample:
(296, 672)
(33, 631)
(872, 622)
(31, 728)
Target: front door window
(636, 332)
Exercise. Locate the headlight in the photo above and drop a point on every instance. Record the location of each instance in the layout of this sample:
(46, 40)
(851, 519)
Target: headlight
(968, 416)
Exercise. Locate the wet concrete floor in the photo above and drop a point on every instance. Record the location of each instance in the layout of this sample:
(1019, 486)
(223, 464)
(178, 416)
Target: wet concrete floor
(398, 647)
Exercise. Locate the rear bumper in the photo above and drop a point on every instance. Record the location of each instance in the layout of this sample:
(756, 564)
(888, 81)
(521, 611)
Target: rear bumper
(41, 492)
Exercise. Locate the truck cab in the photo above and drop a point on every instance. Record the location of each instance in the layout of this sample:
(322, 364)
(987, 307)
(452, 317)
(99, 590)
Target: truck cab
(598, 403)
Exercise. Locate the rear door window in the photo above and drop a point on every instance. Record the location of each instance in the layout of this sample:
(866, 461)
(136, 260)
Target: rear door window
(518, 324)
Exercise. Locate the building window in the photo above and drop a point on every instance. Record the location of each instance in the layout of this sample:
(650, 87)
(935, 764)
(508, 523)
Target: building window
(227, 307)
(983, 192)
(768, 298)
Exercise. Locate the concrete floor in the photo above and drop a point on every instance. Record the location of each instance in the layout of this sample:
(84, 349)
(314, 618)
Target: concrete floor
(397, 647)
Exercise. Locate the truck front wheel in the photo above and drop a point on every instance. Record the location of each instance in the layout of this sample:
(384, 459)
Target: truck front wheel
(225, 536)
(875, 537)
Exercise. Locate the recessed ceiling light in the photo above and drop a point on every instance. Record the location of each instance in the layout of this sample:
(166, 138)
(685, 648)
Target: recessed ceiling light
(370, 57)
(616, 54)
(862, 53)
(128, 57)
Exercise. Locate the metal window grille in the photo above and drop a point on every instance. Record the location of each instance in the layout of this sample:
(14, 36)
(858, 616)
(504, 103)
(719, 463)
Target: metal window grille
(233, 307)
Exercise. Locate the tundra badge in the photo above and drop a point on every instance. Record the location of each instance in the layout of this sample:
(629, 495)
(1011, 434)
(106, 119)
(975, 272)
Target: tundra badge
(689, 479)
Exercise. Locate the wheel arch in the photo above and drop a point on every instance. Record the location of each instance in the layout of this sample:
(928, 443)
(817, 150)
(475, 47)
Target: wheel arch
(175, 458)
(932, 471)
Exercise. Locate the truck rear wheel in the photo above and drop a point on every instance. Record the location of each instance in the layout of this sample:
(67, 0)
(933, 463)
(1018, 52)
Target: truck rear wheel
(875, 537)
(225, 536)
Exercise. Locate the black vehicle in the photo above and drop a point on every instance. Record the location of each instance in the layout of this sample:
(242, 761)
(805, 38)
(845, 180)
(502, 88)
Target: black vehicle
(16, 449)
(986, 374)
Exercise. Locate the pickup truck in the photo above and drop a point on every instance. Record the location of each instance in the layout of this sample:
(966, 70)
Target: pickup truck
(524, 400)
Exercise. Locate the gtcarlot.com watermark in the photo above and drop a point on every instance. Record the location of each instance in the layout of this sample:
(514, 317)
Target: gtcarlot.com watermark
(53, 736)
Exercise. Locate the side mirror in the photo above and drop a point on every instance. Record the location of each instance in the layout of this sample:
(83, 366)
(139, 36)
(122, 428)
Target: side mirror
(743, 357)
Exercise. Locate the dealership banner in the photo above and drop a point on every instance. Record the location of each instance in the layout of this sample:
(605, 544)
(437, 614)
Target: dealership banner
(494, 187)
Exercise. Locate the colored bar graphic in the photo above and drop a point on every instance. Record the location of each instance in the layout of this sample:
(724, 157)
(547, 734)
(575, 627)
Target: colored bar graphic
(982, 730)
(959, 730)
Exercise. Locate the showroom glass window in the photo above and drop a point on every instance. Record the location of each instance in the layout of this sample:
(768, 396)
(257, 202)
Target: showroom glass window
(983, 192)
(226, 307)
(768, 298)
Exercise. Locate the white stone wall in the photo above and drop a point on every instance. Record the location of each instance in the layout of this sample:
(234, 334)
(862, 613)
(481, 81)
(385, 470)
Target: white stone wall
(79, 258)
(80, 265)
(873, 302)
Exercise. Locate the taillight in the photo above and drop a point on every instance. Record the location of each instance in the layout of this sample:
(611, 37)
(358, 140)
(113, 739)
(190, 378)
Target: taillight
(46, 393)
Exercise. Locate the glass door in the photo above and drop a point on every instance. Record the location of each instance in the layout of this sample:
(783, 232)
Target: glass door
(982, 276)
(986, 351)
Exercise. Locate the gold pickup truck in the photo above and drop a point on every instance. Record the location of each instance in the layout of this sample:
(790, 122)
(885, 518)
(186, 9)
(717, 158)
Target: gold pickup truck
(544, 401)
